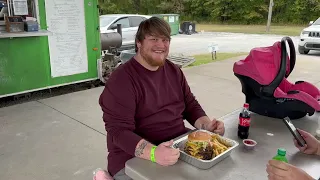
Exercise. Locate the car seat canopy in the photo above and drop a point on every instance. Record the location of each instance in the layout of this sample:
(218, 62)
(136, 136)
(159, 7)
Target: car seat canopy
(263, 76)
(262, 64)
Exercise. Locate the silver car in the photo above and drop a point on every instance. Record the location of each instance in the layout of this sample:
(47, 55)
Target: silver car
(129, 24)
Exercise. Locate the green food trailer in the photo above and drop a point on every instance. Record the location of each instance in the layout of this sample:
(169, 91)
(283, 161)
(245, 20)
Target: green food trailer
(63, 50)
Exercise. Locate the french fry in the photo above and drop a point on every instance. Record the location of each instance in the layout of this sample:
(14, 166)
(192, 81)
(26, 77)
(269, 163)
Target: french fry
(219, 144)
(214, 145)
(216, 152)
(218, 147)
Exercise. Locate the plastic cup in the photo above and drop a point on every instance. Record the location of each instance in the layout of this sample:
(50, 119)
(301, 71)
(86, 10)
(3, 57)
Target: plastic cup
(249, 144)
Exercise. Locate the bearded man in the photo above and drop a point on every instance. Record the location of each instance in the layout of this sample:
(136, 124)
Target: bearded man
(146, 101)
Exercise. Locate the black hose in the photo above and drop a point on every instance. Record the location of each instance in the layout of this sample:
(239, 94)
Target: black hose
(119, 29)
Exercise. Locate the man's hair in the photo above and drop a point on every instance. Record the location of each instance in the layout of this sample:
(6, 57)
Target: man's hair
(153, 26)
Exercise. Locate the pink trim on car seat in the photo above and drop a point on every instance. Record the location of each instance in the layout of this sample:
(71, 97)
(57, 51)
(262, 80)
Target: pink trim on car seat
(302, 96)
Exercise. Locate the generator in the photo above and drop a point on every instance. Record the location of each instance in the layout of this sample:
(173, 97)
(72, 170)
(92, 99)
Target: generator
(188, 28)
(110, 60)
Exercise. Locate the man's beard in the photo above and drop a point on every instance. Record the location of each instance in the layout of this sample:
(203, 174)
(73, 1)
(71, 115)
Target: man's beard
(150, 60)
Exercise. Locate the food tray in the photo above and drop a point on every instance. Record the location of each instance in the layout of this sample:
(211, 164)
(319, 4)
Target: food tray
(179, 143)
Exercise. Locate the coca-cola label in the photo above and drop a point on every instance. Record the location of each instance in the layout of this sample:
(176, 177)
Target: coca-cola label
(244, 121)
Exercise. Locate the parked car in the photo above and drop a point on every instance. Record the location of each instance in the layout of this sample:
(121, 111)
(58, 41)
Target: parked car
(129, 24)
(310, 38)
(3, 9)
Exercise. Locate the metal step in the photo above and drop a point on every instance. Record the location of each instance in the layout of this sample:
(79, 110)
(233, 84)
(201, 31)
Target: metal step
(110, 62)
(181, 60)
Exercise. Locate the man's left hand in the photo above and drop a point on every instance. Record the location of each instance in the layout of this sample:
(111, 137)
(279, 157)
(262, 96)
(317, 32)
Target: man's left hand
(215, 126)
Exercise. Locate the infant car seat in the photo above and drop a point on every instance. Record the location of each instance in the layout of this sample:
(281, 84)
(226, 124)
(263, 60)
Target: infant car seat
(263, 76)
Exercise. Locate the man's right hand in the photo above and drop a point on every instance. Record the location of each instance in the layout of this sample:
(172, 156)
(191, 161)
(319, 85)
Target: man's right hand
(165, 155)
(280, 170)
(312, 144)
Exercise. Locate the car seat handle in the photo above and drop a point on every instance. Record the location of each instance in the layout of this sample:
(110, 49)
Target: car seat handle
(268, 90)
(292, 55)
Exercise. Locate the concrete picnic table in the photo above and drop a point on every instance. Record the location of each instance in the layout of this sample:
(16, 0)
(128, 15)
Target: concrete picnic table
(242, 164)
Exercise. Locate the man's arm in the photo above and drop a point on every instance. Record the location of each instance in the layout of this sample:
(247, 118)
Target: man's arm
(143, 149)
(193, 111)
(204, 120)
(118, 103)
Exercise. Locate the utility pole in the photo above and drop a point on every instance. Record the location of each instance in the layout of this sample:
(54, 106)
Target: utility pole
(269, 15)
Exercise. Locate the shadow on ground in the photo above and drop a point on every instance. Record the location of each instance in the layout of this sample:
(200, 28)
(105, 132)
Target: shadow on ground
(48, 93)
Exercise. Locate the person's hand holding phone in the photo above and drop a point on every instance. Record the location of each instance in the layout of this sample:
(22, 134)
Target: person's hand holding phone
(312, 144)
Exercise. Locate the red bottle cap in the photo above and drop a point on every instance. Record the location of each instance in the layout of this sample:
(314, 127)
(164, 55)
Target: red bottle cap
(246, 105)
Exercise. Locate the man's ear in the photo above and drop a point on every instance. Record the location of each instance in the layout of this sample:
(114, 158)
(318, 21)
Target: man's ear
(138, 44)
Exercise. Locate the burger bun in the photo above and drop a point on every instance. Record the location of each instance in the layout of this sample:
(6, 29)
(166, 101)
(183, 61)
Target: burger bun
(199, 136)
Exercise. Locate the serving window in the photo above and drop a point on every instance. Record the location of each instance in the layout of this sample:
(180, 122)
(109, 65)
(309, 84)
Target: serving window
(28, 11)
(24, 8)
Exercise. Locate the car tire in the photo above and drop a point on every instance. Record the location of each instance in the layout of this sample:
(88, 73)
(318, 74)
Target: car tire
(302, 50)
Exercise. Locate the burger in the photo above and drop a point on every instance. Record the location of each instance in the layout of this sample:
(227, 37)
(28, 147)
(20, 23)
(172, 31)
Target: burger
(199, 146)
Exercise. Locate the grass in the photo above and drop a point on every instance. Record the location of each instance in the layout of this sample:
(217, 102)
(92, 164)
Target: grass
(206, 58)
(252, 29)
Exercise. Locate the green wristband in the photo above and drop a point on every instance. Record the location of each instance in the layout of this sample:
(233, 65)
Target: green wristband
(152, 157)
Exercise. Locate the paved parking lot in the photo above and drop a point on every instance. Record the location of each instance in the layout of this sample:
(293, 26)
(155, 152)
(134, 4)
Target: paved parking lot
(227, 42)
(63, 137)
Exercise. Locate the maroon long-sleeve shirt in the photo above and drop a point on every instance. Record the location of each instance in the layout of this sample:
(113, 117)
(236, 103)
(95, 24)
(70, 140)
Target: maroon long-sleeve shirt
(138, 103)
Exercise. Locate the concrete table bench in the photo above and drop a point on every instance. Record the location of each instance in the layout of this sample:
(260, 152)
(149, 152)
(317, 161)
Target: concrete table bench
(270, 135)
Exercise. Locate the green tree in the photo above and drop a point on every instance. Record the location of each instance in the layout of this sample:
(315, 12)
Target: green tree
(306, 10)
(221, 11)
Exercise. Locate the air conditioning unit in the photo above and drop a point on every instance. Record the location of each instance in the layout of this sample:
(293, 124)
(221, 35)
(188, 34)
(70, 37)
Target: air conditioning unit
(188, 27)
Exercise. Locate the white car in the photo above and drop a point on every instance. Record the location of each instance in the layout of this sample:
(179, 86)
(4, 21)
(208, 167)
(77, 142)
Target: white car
(129, 24)
(3, 9)
(310, 38)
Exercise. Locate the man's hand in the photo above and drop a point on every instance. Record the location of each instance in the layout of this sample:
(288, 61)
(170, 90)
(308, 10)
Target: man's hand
(165, 155)
(312, 144)
(215, 126)
(280, 170)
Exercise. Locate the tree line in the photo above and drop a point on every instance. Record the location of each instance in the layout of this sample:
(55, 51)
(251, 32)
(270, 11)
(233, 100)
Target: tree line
(220, 11)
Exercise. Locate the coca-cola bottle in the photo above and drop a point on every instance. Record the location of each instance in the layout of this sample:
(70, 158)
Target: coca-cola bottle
(244, 122)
